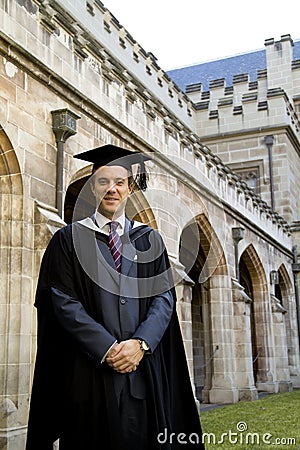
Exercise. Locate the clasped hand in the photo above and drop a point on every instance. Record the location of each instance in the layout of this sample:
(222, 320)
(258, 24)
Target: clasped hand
(125, 356)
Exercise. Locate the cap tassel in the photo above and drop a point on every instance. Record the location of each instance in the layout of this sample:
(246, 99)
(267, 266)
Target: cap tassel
(142, 176)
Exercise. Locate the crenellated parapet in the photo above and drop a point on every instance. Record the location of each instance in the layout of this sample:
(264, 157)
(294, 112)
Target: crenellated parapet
(271, 99)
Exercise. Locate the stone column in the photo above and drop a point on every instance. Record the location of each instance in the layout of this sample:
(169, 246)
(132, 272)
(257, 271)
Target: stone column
(184, 311)
(281, 350)
(293, 344)
(242, 339)
(16, 259)
(223, 388)
(294, 310)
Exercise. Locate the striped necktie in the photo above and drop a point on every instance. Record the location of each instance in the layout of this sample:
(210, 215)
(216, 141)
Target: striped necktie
(115, 244)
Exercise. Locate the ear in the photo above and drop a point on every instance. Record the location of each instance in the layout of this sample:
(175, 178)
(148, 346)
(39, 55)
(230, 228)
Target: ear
(130, 184)
(92, 188)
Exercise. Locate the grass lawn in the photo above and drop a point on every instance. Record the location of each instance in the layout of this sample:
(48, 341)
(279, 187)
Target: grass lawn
(270, 422)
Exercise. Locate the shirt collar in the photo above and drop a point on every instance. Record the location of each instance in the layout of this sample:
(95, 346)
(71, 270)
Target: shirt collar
(103, 222)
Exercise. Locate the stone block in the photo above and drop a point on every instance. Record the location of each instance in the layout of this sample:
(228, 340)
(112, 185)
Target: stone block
(221, 395)
(35, 146)
(40, 168)
(250, 394)
(21, 118)
(270, 387)
(3, 109)
(30, 100)
(14, 317)
(27, 262)
(186, 314)
(8, 90)
(186, 328)
(42, 191)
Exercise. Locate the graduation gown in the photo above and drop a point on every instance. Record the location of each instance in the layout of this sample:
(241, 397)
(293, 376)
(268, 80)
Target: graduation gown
(74, 391)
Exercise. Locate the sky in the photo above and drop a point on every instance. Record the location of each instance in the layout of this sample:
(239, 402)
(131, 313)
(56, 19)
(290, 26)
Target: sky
(184, 33)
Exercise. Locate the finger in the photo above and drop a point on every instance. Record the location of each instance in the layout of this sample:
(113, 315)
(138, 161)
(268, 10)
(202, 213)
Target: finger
(125, 362)
(114, 350)
(125, 355)
(126, 367)
(124, 371)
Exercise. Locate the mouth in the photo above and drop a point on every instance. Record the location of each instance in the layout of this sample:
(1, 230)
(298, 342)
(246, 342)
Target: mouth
(110, 199)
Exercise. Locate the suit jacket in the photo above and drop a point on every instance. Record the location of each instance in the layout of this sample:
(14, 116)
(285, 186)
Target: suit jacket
(118, 297)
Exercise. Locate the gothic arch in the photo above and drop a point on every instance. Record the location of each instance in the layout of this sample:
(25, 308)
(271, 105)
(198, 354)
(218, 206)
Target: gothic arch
(287, 297)
(253, 279)
(11, 208)
(285, 285)
(255, 265)
(13, 284)
(201, 251)
(203, 257)
(10, 173)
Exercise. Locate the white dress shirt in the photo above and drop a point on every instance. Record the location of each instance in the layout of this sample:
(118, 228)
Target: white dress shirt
(103, 223)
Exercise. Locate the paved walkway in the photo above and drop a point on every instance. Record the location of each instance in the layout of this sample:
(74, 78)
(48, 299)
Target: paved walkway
(208, 406)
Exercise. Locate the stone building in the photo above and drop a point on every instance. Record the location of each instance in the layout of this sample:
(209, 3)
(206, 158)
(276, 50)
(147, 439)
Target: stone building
(72, 78)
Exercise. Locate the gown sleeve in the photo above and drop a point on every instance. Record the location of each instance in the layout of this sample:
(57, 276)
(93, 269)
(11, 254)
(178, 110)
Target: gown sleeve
(91, 336)
(159, 314)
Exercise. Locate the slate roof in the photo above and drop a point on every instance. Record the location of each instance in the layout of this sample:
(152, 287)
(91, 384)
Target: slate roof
(224, 68)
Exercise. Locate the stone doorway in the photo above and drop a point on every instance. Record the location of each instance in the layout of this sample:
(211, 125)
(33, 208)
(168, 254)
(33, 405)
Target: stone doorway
(16, 295)
(246, 282)
(253, 279)
(201, 255)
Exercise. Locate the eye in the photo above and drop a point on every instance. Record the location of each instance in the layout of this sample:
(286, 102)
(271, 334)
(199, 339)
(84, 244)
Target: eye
(102, 181)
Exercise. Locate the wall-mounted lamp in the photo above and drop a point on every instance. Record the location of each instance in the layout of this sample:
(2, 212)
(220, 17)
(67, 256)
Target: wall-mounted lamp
(63, 125)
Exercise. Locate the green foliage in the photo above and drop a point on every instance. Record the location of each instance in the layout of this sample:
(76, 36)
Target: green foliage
(270, 422)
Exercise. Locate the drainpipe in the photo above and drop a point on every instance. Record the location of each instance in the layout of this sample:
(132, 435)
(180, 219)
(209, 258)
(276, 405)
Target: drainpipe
(237, 236)
(269, 143)
(63, 126)
(296, 270)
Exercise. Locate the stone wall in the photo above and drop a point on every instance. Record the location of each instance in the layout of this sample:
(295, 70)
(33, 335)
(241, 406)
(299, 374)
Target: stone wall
(235, 121)
(46, 67)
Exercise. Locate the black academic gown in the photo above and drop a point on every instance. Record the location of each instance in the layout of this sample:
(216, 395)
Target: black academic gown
(73, 393)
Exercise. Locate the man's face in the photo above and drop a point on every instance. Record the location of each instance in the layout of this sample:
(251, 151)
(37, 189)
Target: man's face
(111, 190)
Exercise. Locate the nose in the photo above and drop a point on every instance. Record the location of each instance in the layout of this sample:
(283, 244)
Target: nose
(112, 188)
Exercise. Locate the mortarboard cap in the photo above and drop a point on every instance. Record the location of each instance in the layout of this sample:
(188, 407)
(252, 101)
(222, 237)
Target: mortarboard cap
(117, 156)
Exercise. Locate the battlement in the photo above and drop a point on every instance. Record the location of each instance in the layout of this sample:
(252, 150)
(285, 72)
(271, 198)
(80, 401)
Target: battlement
(196, 90)
(244, 97)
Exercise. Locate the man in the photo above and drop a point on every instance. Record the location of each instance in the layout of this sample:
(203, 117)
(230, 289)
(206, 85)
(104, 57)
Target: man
(110, 369)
